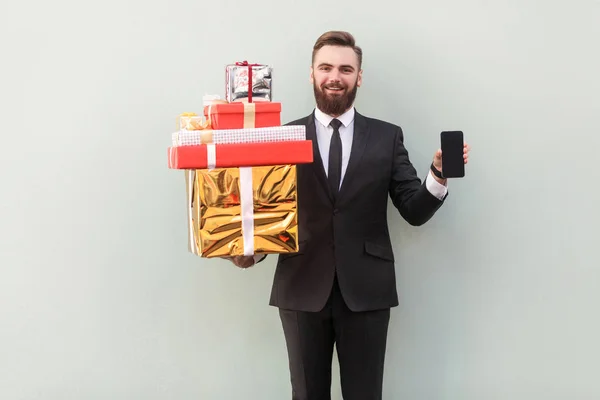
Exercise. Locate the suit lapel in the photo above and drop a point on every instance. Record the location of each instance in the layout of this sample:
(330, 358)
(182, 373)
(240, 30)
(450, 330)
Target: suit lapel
(359, 143)
(319, 169)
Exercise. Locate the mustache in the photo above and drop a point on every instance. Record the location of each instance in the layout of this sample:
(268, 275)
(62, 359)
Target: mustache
(334, 86)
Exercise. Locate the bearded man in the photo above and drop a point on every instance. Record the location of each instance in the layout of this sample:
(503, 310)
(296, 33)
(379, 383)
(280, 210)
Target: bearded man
(339, 288)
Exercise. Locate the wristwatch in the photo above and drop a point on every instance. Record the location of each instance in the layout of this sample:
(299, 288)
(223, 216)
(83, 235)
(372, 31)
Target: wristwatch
(436, 172)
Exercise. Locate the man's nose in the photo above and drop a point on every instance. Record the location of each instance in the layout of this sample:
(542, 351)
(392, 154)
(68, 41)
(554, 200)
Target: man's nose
(334, 75)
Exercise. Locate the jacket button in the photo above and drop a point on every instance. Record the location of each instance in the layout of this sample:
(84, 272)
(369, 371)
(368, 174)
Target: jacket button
(335, 211)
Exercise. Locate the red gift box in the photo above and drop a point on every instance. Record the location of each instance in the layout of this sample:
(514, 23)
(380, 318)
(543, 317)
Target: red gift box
(244, 115)
(240, 155)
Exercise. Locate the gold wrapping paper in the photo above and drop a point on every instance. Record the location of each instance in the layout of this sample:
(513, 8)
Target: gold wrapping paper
(192, 122)
(215, 211)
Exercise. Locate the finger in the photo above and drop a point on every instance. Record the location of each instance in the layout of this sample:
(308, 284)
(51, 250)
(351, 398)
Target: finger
(244, 261)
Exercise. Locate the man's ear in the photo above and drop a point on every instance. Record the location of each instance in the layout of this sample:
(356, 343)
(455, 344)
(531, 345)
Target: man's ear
(359, 80)
(312, 75)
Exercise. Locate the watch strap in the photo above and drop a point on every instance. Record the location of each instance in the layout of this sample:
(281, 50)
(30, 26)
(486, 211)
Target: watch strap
(436, 172)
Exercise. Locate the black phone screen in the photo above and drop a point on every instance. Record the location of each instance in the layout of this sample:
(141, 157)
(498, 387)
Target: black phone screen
(453, 165)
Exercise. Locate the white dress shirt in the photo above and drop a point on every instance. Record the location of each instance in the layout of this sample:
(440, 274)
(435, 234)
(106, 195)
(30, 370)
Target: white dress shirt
(324, 133)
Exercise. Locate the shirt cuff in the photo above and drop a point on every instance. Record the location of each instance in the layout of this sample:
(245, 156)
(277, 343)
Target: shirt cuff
(434, 187)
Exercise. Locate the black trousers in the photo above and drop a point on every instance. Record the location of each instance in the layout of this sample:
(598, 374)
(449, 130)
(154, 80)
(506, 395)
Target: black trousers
(360, 340)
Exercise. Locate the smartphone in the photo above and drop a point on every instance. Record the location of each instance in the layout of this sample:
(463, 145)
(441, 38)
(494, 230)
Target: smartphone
(453, 163)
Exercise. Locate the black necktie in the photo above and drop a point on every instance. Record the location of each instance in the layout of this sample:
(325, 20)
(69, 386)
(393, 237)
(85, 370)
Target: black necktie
(334, 173)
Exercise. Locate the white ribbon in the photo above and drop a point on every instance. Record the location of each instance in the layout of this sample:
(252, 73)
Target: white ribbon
(191, 177)
(211, 156)
(247, 202)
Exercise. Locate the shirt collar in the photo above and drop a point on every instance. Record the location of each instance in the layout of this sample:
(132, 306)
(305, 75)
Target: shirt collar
(346, 118)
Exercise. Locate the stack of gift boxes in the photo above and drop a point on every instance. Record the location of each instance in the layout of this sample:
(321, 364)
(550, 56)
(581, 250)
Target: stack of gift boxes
(240, 169)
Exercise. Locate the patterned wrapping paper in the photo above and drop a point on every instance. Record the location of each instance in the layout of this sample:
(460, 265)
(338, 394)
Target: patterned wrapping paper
(248, 135)
(242, 211)
(248, 82)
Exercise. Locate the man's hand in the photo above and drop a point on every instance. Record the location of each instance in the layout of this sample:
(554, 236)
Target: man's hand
(437, 161)
(242, 261)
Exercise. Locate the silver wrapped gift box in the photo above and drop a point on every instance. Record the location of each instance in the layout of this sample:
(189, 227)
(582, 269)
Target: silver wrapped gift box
(239, 80)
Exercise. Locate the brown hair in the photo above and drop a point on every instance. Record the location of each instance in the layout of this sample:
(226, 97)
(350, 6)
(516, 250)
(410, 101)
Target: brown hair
(337, 38)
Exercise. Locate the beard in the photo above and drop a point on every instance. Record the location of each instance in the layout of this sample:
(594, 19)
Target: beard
(334, 104)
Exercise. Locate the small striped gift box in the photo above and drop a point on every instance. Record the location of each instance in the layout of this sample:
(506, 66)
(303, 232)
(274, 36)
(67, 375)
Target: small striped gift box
(246, 135)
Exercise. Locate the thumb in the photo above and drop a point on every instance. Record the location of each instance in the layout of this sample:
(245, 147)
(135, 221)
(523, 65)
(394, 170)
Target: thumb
(437, 159)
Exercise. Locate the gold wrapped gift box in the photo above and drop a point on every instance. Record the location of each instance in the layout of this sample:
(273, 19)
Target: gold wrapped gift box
(242, 211)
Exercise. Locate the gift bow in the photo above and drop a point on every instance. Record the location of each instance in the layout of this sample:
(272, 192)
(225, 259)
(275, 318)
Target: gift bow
(247, 64)
(186, 119)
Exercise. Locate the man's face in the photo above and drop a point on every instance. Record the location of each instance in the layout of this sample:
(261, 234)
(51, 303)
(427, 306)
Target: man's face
(335, 76)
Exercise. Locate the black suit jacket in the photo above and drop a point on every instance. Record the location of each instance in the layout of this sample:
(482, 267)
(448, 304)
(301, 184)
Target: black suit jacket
(350, 237)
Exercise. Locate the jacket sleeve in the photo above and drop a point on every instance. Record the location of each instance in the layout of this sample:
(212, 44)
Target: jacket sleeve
(409, 195)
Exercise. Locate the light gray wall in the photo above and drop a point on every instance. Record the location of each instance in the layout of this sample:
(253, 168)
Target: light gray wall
(99, 298)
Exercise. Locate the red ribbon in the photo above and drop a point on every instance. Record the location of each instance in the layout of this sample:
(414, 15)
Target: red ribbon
(246, 64)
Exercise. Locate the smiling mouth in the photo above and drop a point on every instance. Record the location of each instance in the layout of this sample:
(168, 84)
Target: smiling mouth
(334, 89)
